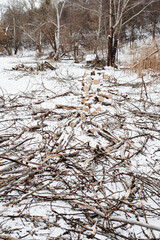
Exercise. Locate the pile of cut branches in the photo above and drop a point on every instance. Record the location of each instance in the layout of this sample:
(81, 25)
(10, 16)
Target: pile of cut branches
(88, 169)
(40, 67)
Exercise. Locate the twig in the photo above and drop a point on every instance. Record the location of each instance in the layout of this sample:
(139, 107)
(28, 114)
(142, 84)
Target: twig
(117, 219)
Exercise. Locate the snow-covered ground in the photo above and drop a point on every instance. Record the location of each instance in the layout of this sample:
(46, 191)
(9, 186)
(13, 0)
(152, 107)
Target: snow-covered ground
(78, 147)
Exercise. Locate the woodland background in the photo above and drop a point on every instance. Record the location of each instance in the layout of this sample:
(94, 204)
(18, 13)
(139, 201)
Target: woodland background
(74, 28)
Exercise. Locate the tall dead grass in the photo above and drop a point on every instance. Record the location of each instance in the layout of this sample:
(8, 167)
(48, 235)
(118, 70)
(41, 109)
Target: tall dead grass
(144, 58)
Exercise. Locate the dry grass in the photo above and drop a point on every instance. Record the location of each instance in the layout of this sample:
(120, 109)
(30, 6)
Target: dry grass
(145, 58)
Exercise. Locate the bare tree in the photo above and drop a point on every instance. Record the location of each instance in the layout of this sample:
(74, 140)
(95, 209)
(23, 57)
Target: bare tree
(11, 19)
(59, 6)
(95, 9)
(5, 39)
(99, 15)
(118, 10)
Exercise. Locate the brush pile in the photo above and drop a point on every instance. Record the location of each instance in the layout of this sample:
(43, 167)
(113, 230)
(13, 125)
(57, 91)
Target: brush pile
(85, 169)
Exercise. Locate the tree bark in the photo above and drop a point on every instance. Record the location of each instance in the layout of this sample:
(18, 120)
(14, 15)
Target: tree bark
(57, 35)
(99, 27)
(109, 61)
(110, 37)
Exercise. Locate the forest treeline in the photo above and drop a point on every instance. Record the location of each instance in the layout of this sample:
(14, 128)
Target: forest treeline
(72, 27)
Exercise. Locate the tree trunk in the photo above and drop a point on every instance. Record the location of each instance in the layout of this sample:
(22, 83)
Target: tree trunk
(39, 47)
(16, 47)
(154, 30)
(57, 35)
(75, 51)
(99, 28)
(110, 37)
(114, 50)
(109, 61)
(9, 50)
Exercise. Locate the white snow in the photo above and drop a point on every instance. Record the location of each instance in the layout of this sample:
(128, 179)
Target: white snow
(90, 57)
(43, 90)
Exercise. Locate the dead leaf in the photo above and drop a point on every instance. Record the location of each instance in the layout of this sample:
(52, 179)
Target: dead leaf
(127, 147)
(18, 211)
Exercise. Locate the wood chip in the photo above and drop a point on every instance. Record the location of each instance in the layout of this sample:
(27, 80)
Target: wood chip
(85, 88)
(89, 80)
(98, 108)
(87, 95)
(92, 130)
(110, 96)
(83, 100)
(104, 95)
(101, 99)
(96, 82)
(94, 113)
(85, 75)
(86, 109)
(72, 124)
(108, 150)
(83, 118)
(106, 77)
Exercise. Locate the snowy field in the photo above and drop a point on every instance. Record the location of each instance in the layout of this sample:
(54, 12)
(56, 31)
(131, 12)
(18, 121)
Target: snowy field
(79, 152)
